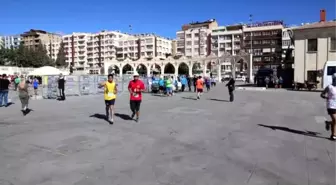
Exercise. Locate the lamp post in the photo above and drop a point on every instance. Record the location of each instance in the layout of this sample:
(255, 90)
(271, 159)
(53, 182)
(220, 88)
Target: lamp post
(251, 79)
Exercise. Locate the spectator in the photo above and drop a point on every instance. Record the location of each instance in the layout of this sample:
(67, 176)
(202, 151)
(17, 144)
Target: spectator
(4, 86)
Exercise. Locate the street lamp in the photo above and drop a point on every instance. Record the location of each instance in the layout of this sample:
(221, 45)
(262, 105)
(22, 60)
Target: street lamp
(251, 53)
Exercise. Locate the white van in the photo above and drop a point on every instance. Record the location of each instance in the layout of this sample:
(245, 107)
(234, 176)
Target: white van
(328, 70)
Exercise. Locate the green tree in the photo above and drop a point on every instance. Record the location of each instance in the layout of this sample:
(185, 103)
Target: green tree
(61, 60)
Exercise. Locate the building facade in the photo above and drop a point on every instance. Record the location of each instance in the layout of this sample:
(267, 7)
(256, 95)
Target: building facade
(2, 45)
(264, 41)
(11, 41)
(288, 43)
(195, 38)
(315, 44)
(87, 52)
(51, 41)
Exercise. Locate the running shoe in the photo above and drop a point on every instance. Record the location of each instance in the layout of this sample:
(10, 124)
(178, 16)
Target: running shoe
(333, 138)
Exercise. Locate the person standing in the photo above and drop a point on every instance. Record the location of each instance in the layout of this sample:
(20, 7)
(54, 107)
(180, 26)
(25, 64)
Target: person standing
(17, 81)
(199, 86)
(24, 95)
(135, 88)
(61, 85)
(194, 82)
(4, 88)
(184, 82)
(110, 91)
(189, 83)
(35, 85)
(169, 86)
(207, 83)
(231, 88)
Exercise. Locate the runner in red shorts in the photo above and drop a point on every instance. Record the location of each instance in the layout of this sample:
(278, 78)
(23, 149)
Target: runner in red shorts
(136, 87)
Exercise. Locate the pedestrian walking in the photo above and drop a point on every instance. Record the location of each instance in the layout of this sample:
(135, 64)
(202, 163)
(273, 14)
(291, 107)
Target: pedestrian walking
(199, 86)
(61, 85)
(135, 88)
(4, 88)
(231, 88)
(110, 91)
(24, 95)
(329, 94)
(194, 82)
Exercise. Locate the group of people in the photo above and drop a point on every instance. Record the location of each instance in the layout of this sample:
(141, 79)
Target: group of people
(135, 88)
(168, 84)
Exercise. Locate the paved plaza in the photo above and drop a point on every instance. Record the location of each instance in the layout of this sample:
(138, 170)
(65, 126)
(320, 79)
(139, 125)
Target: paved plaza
(263, 138)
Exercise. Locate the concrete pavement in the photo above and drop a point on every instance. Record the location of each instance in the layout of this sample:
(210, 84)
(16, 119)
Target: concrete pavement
(264, 137)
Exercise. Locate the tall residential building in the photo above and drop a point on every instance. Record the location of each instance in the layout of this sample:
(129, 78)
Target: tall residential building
(265, 39)
(1, 42)
(51, 41)
(194, 38)
(11, 41)
(227, 39)
(174, 48)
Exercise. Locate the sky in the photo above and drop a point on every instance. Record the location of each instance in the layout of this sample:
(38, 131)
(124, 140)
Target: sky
(163, 17)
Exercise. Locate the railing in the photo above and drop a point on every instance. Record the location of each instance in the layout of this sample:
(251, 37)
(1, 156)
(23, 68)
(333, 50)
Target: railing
(82, 85)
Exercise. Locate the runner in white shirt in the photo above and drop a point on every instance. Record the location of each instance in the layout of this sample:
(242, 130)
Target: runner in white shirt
(329, 93)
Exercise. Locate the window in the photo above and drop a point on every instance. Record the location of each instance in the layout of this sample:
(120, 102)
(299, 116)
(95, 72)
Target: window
(331, 70)
(333, 44)
(195, 42)
(196, 50)
(312, 45)
(188, 43)
(196, 34)
(311, 76)
(188, 35)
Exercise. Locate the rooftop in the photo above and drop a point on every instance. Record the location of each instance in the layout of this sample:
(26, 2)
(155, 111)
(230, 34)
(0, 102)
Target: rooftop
(317, 25)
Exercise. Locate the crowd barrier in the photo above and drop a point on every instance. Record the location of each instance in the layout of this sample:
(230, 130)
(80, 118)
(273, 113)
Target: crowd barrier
(83, 85)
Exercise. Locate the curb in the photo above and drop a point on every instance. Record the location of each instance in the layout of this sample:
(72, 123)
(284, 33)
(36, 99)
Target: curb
(252, 88)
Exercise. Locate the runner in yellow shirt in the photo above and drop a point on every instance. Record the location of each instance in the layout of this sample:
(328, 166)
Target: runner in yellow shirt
(110, 91)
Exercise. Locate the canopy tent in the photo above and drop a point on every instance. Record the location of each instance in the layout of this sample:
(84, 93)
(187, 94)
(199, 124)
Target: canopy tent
(46, 70)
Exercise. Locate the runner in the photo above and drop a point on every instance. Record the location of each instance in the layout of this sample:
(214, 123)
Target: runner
(199, 87)
(135, 87)
(169, 86)
(110, 91)
(329, 93)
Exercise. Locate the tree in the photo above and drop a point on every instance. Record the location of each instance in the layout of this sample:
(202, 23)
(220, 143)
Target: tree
(61, 60)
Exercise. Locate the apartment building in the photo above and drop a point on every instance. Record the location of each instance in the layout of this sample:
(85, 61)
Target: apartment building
(288, 45)
(2, 45)
(33, 38)
(11, 41)
(194, 39)
(227, 39)
(315, 44)
(75, 49)
(128, 47)
(264, 40)
(174, 48)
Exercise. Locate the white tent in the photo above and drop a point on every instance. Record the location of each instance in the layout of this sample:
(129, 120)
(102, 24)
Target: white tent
(46, 70)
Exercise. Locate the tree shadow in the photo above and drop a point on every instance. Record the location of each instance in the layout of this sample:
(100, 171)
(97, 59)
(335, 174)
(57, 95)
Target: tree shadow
(300, 132)
(123, 116)
(215, 99)
(189, 98)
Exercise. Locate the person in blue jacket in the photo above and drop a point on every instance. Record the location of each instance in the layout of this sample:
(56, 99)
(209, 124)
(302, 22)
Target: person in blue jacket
(184, 82)
(161, 85)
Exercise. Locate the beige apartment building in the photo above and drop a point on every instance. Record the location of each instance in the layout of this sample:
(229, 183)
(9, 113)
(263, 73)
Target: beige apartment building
(195, 38)
(315, 44)
(51, 41)
(87, 52)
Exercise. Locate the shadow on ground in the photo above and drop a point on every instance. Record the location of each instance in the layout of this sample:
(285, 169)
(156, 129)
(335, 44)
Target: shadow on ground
(99, 116)
(27, 111)
(300, 132)
(215, 99)
(123, 116)
(189, 98)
